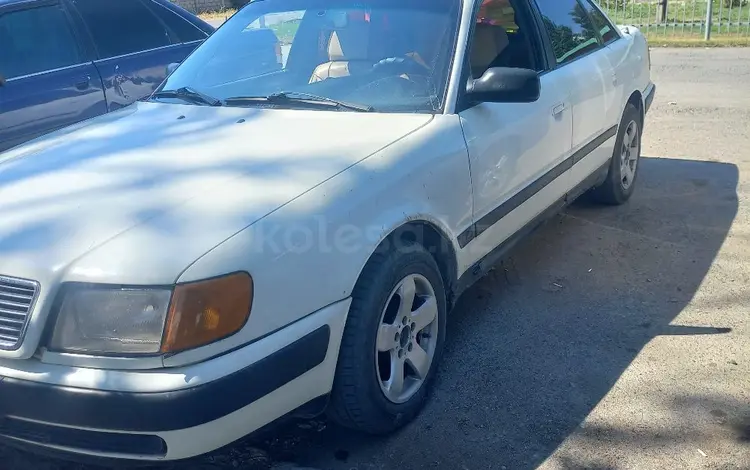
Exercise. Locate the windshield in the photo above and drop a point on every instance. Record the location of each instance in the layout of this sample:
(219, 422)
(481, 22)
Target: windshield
(388, 55)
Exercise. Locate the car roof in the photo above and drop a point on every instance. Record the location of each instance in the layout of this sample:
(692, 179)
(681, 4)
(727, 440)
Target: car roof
(206, 27)
(10, 2)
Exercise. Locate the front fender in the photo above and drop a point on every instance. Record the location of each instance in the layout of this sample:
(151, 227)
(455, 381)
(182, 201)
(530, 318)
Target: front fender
(310, 253)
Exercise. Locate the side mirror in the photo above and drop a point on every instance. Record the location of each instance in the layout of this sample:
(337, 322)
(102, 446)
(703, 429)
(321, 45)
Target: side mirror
(505, 85)
(2, 80)
(171, 67)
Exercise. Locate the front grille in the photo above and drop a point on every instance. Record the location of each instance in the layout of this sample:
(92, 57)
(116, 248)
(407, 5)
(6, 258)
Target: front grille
(17, 298)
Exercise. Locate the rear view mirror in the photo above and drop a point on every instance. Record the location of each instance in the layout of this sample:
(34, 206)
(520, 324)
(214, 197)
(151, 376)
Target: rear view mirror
(171, 67)
(505, 85)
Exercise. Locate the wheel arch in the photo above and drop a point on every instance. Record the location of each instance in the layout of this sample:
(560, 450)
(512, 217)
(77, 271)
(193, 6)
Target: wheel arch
(432, 237)
(636, 99)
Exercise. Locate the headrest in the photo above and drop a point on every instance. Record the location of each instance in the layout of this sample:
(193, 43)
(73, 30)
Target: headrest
(351, 43)
(489, 42)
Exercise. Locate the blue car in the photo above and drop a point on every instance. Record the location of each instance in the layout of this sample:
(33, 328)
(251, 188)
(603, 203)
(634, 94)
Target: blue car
(63, 61)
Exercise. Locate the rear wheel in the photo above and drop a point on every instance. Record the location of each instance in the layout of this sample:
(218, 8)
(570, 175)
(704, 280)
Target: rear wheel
(623, 168)
(392, 342)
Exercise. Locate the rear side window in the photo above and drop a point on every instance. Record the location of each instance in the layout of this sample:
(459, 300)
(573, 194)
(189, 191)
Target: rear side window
(120, 27)
(36, 40)
(601, 23)
(569, 27)
(185, 30)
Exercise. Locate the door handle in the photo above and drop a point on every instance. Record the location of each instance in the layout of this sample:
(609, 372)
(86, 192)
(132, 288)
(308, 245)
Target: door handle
(84, 83)
(558, 109)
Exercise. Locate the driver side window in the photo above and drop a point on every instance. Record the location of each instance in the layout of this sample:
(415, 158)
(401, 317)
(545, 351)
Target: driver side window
(499, 39)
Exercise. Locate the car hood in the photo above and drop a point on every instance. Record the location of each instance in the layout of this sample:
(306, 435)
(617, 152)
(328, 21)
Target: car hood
(135, 196)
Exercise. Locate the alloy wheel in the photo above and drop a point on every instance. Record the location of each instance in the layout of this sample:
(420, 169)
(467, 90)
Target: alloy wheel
(629, 154)
(407, 338)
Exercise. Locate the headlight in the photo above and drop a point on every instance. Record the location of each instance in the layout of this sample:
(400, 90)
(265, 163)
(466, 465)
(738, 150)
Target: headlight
(104, 320)
(111, 320)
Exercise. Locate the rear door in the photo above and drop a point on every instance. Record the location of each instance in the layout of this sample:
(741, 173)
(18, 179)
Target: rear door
(49, 80)
(577, 49)
(134, 47)
(618, 52)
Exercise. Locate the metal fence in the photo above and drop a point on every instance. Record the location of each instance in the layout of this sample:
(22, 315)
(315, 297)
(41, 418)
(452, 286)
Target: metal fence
(683, 18)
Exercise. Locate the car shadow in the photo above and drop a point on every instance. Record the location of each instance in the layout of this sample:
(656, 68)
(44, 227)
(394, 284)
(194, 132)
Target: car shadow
(535, 345)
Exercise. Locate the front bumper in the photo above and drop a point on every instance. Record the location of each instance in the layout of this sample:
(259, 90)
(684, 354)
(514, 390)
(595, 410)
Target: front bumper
(180, 423)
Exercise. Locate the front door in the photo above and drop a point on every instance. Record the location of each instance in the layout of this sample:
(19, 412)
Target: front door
(517, 152)
(49, 83)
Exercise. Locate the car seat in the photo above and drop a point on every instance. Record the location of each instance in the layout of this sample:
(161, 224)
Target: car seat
(489, 43)
(347, 54)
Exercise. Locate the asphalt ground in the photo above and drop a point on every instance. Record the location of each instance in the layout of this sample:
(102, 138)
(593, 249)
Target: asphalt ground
(612, 338)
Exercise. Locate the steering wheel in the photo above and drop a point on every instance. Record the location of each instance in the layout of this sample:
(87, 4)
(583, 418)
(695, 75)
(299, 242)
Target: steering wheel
(396, 76)
(400, 65)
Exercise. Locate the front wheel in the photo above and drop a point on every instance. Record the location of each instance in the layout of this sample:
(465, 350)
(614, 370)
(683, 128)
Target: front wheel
(623, 168)
(392, 342)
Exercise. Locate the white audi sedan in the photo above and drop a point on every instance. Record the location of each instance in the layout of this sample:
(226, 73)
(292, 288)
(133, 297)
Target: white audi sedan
(283, 226)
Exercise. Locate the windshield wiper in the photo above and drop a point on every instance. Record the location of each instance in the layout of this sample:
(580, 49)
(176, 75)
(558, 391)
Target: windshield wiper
(189, 94)
(287, 97)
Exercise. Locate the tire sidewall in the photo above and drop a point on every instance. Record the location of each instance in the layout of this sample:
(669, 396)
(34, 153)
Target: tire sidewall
(402, 262)
(631, 114)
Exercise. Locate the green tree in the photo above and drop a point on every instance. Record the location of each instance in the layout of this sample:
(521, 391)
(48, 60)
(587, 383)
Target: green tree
(561, 36)
(581, 18)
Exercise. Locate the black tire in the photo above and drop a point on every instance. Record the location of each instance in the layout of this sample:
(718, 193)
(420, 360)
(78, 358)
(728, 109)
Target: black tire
(357, 401)
(612, 191)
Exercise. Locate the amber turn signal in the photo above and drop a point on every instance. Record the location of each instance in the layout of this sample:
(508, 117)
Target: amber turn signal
(207, 311)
